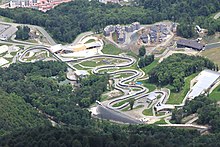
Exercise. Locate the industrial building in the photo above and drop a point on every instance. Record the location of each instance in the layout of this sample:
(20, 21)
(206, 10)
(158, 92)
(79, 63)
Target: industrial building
(7, 32)
(182, 43)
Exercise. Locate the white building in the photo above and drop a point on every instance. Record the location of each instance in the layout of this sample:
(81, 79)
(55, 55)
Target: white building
(205, 80)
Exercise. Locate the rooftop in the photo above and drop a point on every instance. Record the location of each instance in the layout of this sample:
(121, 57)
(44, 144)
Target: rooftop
(81, 72)
(204, 81)
(190, 43)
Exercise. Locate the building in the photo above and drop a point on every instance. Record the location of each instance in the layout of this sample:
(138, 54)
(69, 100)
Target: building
(164, 29)
(129, 28)
(136, 25)
(121, 30)
(190, 44)
(151, 97)
(153, 36)
(109, 1)
(121, 37)
(56, 48)
(42, 5)
(144, 38)
(204, 82)
(7, 33)
(109, 29)
(81, 73)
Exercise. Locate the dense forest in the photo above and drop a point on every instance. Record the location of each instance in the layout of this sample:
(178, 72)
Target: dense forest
(109, 136)
(106, 136)
(22, 33)
(17, 114)
(207, 109)
(176, 67)
(66, 21)
(38, 85)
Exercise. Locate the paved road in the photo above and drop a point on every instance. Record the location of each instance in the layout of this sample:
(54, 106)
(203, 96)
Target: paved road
(212, 45)
(185, 126)
(80, 37)
(43, 32)
(22, 42)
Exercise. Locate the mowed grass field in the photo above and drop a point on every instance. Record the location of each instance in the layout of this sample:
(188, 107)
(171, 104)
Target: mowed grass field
(212, 54)
(111, 49)
(215, 95)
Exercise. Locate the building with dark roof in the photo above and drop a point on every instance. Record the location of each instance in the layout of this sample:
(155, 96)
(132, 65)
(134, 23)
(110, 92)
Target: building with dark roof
(144, 38)
(190, 44)
(129, 28)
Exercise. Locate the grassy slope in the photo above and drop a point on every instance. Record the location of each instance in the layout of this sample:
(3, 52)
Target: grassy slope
(148, 112)
(146, 69)
(150, 67)
(111, 49)
(5, 19)
(177, 98)
(213, 55)
(162, 121)
(148, 85)
(215, 94)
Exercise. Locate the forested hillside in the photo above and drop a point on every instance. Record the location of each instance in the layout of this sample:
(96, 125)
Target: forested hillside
(17, 114)
(176, 67)
(38, 85)
(206, 108)
(67, 20)
(106, 136)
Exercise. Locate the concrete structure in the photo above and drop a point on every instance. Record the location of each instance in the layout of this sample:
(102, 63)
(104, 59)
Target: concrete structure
(3, 49)
(190, 44)
(205, 80)
(7, 33)
(56, 48)
(81, 73)
(78, 47)
(3, 61)
(151, 97)
(163, 107)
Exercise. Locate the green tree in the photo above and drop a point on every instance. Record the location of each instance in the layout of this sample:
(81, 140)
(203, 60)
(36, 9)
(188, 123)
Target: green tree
(23, 32)
(131, 103)
(142, 51)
